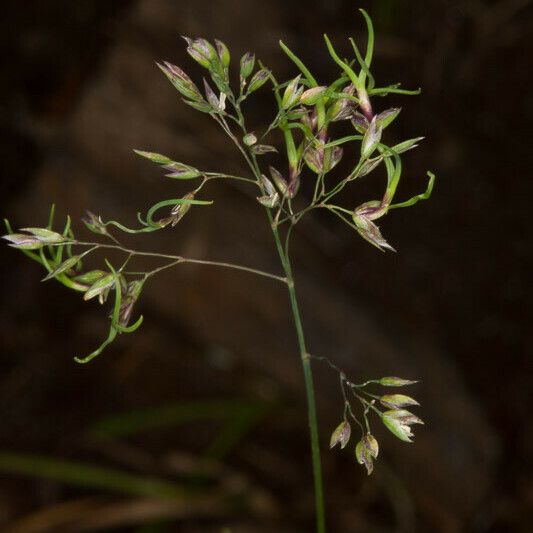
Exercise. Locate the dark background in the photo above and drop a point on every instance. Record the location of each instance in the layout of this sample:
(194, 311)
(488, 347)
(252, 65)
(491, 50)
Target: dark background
(211, 386)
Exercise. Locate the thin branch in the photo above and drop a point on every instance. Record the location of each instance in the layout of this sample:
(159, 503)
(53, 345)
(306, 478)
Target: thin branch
(179, 259)
(214, 175)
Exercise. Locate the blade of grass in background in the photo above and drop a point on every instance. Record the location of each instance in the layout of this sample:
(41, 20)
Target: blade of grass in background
(87, 475)
(236, 429)
(135, 422)
(242, 416)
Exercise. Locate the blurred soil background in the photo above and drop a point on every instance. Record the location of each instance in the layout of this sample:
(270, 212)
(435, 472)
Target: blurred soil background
(197, 422)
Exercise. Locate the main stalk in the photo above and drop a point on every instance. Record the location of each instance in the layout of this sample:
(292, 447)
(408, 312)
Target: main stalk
(304, 356)
(309, 385)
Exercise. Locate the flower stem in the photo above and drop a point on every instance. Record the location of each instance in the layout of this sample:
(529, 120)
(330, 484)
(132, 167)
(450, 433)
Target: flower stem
(311, 411)
(304, 356)
(309, 385)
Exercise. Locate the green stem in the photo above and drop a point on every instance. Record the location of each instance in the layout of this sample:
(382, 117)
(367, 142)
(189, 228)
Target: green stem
(311, 405)
(304, 356)
(309, 385)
